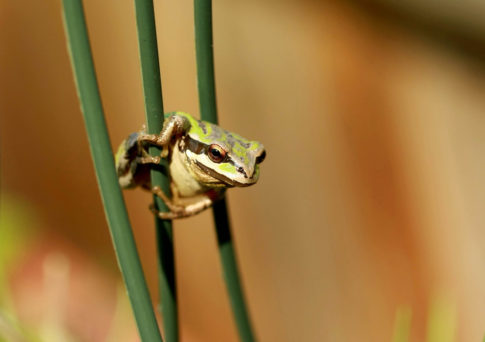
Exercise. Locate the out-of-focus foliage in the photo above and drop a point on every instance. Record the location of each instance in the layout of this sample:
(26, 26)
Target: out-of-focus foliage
(16, 233)
(441, 319)
(39, 291)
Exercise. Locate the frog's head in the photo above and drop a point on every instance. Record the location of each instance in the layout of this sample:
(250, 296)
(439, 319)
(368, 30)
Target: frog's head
(221, 158)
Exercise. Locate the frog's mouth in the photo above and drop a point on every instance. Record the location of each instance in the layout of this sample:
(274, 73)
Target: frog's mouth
(229, 182)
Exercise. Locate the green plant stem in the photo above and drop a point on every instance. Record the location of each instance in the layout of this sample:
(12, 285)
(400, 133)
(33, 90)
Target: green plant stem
(102, 154)
(152, 89)
(208, 109)
(402, 324)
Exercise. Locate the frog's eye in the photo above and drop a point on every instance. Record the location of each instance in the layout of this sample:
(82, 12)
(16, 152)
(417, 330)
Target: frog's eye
(260, 158)
(216, 153)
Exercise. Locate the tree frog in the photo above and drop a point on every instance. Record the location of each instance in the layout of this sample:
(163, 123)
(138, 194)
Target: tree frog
(204, 160)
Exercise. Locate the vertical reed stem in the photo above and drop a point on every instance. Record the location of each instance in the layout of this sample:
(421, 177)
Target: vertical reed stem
(114, 206)
(152, 89)
(208, 109)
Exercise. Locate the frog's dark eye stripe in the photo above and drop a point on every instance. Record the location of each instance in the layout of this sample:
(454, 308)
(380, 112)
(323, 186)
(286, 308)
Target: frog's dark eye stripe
(216, 153)
(194, 146)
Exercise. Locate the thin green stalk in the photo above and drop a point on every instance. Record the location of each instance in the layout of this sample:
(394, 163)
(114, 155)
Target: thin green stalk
(402, 324)
(152, 89)
(114, 206)
(208, 110)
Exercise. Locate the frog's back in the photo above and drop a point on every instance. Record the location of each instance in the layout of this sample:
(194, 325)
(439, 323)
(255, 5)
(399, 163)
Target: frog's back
(131, 173)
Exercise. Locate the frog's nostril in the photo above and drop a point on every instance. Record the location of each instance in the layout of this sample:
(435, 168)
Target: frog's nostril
(240, 169)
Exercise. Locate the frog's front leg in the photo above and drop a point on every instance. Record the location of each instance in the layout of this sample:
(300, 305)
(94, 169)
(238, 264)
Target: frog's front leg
(173, 126)
(180, 210)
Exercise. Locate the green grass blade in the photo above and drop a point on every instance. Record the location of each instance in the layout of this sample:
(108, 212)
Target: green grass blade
(102, 154)
(402, 324)
(441, 319)
(152, 89)
(208, 109)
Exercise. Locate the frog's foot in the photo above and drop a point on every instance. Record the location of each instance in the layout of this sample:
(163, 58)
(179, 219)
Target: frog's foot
(176, 210)
(168, 202)
(147, 159)
(169, 215)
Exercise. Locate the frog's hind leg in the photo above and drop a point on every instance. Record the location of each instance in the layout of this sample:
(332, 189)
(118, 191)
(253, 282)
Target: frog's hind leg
(127, 163)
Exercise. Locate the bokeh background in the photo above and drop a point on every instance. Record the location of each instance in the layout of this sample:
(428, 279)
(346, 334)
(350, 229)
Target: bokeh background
(369, 205)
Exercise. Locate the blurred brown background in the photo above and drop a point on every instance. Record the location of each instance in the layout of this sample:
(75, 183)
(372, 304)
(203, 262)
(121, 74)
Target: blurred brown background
(370, 200)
